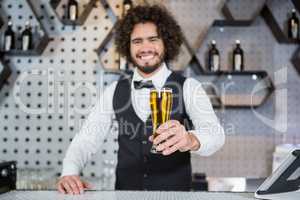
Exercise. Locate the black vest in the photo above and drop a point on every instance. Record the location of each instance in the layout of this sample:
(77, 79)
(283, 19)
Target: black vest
(137, 168)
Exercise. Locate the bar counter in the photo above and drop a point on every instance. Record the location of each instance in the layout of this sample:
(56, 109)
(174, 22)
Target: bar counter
(124, 195)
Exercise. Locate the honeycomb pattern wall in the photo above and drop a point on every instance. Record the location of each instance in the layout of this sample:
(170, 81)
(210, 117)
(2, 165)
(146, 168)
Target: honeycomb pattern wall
(47, 97)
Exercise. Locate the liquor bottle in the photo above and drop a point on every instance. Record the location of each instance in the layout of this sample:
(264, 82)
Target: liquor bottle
(238, 57)
(9, 37)
(72, 10)
(213, 57)
(127, 4)
(27, 37)
(293, 26)
(123, 64)
(38, 32)
(97, 4)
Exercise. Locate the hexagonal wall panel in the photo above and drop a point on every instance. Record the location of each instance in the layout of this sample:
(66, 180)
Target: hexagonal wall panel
(244, 89)
(251, 9)
(227, 31)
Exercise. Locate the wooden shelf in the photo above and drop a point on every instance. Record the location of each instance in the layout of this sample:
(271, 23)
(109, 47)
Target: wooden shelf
(242, 101)
(246, 100)
(222, 23)
(233, 73)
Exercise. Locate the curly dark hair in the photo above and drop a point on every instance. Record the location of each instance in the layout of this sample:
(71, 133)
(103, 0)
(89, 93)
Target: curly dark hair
(167, 28)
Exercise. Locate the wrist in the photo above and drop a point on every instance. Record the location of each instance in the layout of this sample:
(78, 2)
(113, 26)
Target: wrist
(195, 143)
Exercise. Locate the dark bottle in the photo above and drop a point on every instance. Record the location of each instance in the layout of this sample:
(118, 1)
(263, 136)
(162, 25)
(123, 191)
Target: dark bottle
(213, 57)
(238, 57)
(27, 37)
(293, 26)
(127, 4)
(38, 32)
(72, 10)
(9, 37)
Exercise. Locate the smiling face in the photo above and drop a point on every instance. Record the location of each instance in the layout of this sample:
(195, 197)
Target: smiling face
(146, 48)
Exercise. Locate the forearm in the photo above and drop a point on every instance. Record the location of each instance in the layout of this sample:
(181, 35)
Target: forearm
(84, 145)
(207, 128)
(76, 157)
(210, 140)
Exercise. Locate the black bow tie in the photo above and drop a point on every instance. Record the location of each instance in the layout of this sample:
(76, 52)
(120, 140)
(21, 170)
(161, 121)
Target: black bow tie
(142, 84)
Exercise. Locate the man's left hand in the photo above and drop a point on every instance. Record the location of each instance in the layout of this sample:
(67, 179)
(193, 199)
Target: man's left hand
(172, 136)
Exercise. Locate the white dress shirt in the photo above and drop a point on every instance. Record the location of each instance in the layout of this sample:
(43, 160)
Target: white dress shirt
(88, 140)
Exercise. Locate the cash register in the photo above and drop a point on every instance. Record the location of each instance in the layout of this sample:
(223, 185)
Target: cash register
(284, 182)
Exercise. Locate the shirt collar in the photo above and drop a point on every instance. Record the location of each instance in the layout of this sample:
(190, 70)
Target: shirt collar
(158, 79)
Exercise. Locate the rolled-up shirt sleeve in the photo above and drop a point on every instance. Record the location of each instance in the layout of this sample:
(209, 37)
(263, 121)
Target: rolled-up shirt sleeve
(91, 135)
(207, 127)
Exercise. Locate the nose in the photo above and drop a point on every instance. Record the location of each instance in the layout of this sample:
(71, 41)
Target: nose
(146, 46)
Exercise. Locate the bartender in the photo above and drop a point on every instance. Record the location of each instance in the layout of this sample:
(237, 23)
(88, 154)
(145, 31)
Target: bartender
(150, 38)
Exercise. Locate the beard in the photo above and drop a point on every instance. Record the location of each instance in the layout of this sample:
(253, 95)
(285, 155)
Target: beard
(147, 68)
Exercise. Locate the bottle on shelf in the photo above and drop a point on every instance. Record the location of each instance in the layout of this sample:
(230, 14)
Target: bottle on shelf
(27, 43)
(127, 4)
(213, 58)
(238, 57)
(97, 4)
(9, 37)
(123, 64)
(72, 10)
(293, 26)
(38, 32)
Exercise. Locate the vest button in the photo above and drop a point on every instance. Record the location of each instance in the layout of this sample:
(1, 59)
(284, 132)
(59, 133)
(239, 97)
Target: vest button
(144, 142)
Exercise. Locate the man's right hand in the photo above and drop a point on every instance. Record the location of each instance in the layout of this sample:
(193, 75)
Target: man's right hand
(71, 185)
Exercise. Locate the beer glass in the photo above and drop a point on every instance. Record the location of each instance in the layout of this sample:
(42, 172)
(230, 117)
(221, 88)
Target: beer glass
(161, 106)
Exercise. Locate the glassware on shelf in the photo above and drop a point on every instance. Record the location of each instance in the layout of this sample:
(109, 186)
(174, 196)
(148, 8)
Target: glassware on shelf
(35, 179)
(108, 176)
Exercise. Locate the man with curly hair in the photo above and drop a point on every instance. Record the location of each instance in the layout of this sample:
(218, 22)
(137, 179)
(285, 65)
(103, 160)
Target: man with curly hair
(149, 38)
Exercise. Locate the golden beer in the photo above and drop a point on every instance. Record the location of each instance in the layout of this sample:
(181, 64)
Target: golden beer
(161, 106)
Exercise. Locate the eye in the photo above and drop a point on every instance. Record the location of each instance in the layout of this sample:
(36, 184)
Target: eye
(137, 41)
(153, 39)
